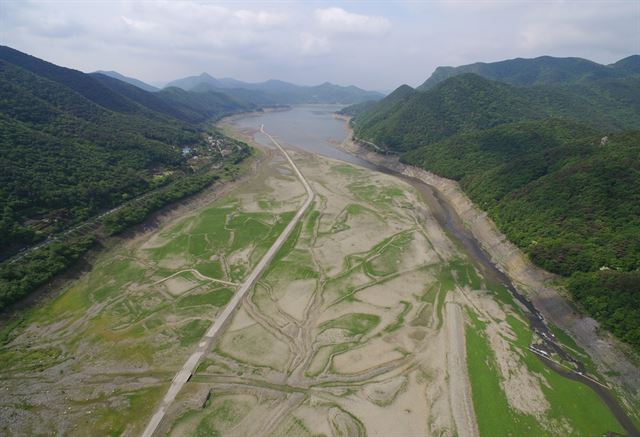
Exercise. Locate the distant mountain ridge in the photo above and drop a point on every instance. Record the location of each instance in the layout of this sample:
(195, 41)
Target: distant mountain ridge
(278, 91)
(407, 119)
(542, 70)
(130, 80)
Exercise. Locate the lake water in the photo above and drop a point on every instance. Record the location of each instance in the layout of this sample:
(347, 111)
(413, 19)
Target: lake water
(313, 128)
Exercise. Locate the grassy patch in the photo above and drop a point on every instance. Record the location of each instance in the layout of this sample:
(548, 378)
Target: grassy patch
(30, 359)
(217, 298)
(192, 331)
(345, 169)
(381, 196)
(221, 413)
(570, 401)
(132, 413)
(237, 272)
(465, 274)
(268, 238)
(312, 219)
(399, 322)
(355, 324)
(212, 269)
(198, 245)
(248, 228)
(493, 413)
(502, 294)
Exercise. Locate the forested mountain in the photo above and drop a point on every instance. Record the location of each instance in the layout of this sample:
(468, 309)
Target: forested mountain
(130, 80)
(275, 91)
(73, 144)
(201, 106)
(381, 107)
(556, 166)
(470, 102)
(543, 70)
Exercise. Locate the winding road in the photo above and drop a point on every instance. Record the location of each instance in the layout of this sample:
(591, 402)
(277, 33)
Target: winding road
(183, 375)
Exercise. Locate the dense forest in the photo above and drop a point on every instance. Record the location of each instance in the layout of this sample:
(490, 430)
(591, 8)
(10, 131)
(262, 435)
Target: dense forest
(20, 277)
(556, 166)
(408, 118)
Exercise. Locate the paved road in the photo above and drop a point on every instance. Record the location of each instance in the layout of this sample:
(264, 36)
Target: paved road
(183, 375)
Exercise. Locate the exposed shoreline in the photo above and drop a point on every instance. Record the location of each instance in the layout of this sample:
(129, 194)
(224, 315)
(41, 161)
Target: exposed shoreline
(611, 356)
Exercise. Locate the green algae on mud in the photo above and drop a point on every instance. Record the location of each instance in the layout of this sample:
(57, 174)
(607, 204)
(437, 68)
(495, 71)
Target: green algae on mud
(574, 409)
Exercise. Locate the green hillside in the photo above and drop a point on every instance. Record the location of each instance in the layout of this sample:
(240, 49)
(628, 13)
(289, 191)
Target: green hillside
(201, 106)
(469, 102)
(381, 108)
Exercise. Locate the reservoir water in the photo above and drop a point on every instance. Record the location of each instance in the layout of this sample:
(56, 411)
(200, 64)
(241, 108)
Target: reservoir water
(313, 128)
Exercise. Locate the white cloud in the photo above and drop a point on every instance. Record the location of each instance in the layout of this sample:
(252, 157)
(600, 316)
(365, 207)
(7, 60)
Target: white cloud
(260, 18)
(340, 21)
(311, 44)
(299, 41)
(574, 26)
(139, 25)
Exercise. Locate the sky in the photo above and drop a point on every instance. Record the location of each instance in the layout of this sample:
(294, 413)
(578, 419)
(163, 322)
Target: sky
(372, 44)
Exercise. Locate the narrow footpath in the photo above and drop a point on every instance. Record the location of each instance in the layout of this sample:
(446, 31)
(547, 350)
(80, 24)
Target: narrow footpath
(183, 375)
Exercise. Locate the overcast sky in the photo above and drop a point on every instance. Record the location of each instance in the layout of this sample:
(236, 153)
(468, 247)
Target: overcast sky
(372, 44)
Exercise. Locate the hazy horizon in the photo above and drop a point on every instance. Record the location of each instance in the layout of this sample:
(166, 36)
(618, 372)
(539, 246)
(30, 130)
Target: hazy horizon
(373, 45)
